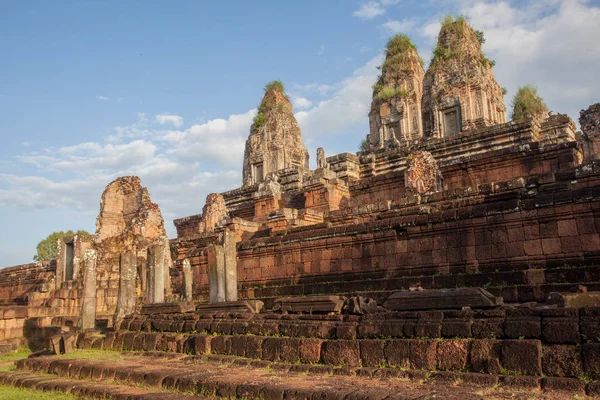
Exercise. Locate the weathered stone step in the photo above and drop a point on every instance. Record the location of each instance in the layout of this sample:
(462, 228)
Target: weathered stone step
(514, 286)
(239, 380)
(82, 388)
(509, 274)
(522, 357)
(552, 326)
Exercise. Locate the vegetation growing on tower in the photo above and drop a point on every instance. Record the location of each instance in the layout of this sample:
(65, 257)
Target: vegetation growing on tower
(527, 103)
(267, 103)
(458, 28)
(398, 60)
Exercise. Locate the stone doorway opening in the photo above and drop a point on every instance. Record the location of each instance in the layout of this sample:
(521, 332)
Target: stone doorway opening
(69, 255)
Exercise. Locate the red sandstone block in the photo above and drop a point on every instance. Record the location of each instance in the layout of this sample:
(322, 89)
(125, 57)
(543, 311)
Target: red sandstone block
(452, 354)
(591, 359)
(570, 244)
(562, 360)
(515, 234)
(551, 246)
(590, 242)
(397, 353)
(341, 352)
(423, 354)
(567, 227)
(522, 356)
(485, 356)
(533, 247)
(531, 231)
(372, 353)
(586, 225)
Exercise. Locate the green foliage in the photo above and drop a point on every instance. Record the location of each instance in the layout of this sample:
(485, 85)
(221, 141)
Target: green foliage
(398, 44)
(480, 37)
(364, 145)
(459, 25)
(275, 85)
(387, 93)
(46, 249)
(527, 103)
(504, 91)
(267, 104)
(13, 393)
(378, 87)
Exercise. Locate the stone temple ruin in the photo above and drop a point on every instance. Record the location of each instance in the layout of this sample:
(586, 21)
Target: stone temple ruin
(456, 249)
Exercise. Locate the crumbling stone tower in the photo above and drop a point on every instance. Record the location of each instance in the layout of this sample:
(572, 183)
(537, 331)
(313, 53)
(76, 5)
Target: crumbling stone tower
(460, 92)
(128, 222)
(395, 116)
(275, 140)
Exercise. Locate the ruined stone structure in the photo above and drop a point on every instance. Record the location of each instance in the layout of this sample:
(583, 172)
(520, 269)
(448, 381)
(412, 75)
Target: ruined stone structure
(129, 222)
(466, 253)
(275, 142)
(460, 92)
(395, 116)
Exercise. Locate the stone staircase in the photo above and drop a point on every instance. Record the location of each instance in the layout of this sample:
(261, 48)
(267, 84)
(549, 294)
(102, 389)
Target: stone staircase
(513, 283)
(160, 375)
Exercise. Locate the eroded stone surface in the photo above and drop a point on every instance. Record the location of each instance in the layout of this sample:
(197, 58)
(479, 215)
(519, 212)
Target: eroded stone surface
(129, 222)
(275, 142)
(422, 174)
(460, 92)
(395, 116)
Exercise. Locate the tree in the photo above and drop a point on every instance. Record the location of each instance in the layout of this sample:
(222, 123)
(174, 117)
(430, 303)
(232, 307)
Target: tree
(46, 249)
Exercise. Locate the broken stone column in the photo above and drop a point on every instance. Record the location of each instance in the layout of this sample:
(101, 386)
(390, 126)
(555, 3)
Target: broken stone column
(230, 250)
(156, 273)
(187, 280)
(127, 292)
(216, 273)
(222, 269)
(87, 318)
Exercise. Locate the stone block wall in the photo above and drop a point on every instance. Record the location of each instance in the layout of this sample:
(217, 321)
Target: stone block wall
(19, 282)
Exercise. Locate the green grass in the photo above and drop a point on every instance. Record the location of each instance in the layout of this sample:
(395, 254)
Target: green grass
(22, 352)
(11, 393)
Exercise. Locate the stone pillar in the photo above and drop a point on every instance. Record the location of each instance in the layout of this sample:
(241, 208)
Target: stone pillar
(156, 273)
(230, 250)
(216, 273)
(187, 280)
(87, 318)
(127, 293)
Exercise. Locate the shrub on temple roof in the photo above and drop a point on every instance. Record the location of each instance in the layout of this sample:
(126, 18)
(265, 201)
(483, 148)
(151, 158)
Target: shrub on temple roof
(267, 103)
(527, 104)
(459, 30)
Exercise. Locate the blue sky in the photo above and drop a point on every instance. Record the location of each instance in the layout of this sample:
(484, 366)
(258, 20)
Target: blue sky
(92, 90)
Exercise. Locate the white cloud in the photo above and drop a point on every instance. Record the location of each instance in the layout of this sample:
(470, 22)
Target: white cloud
(403, 26)
(369, 10)
(347, 107)
(103, 98)
(301, 103)
(321, 50)
(164, 119)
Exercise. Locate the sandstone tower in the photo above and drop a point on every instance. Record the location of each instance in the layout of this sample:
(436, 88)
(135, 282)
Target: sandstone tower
(275, 140)
(395, 116)
(460, 92)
